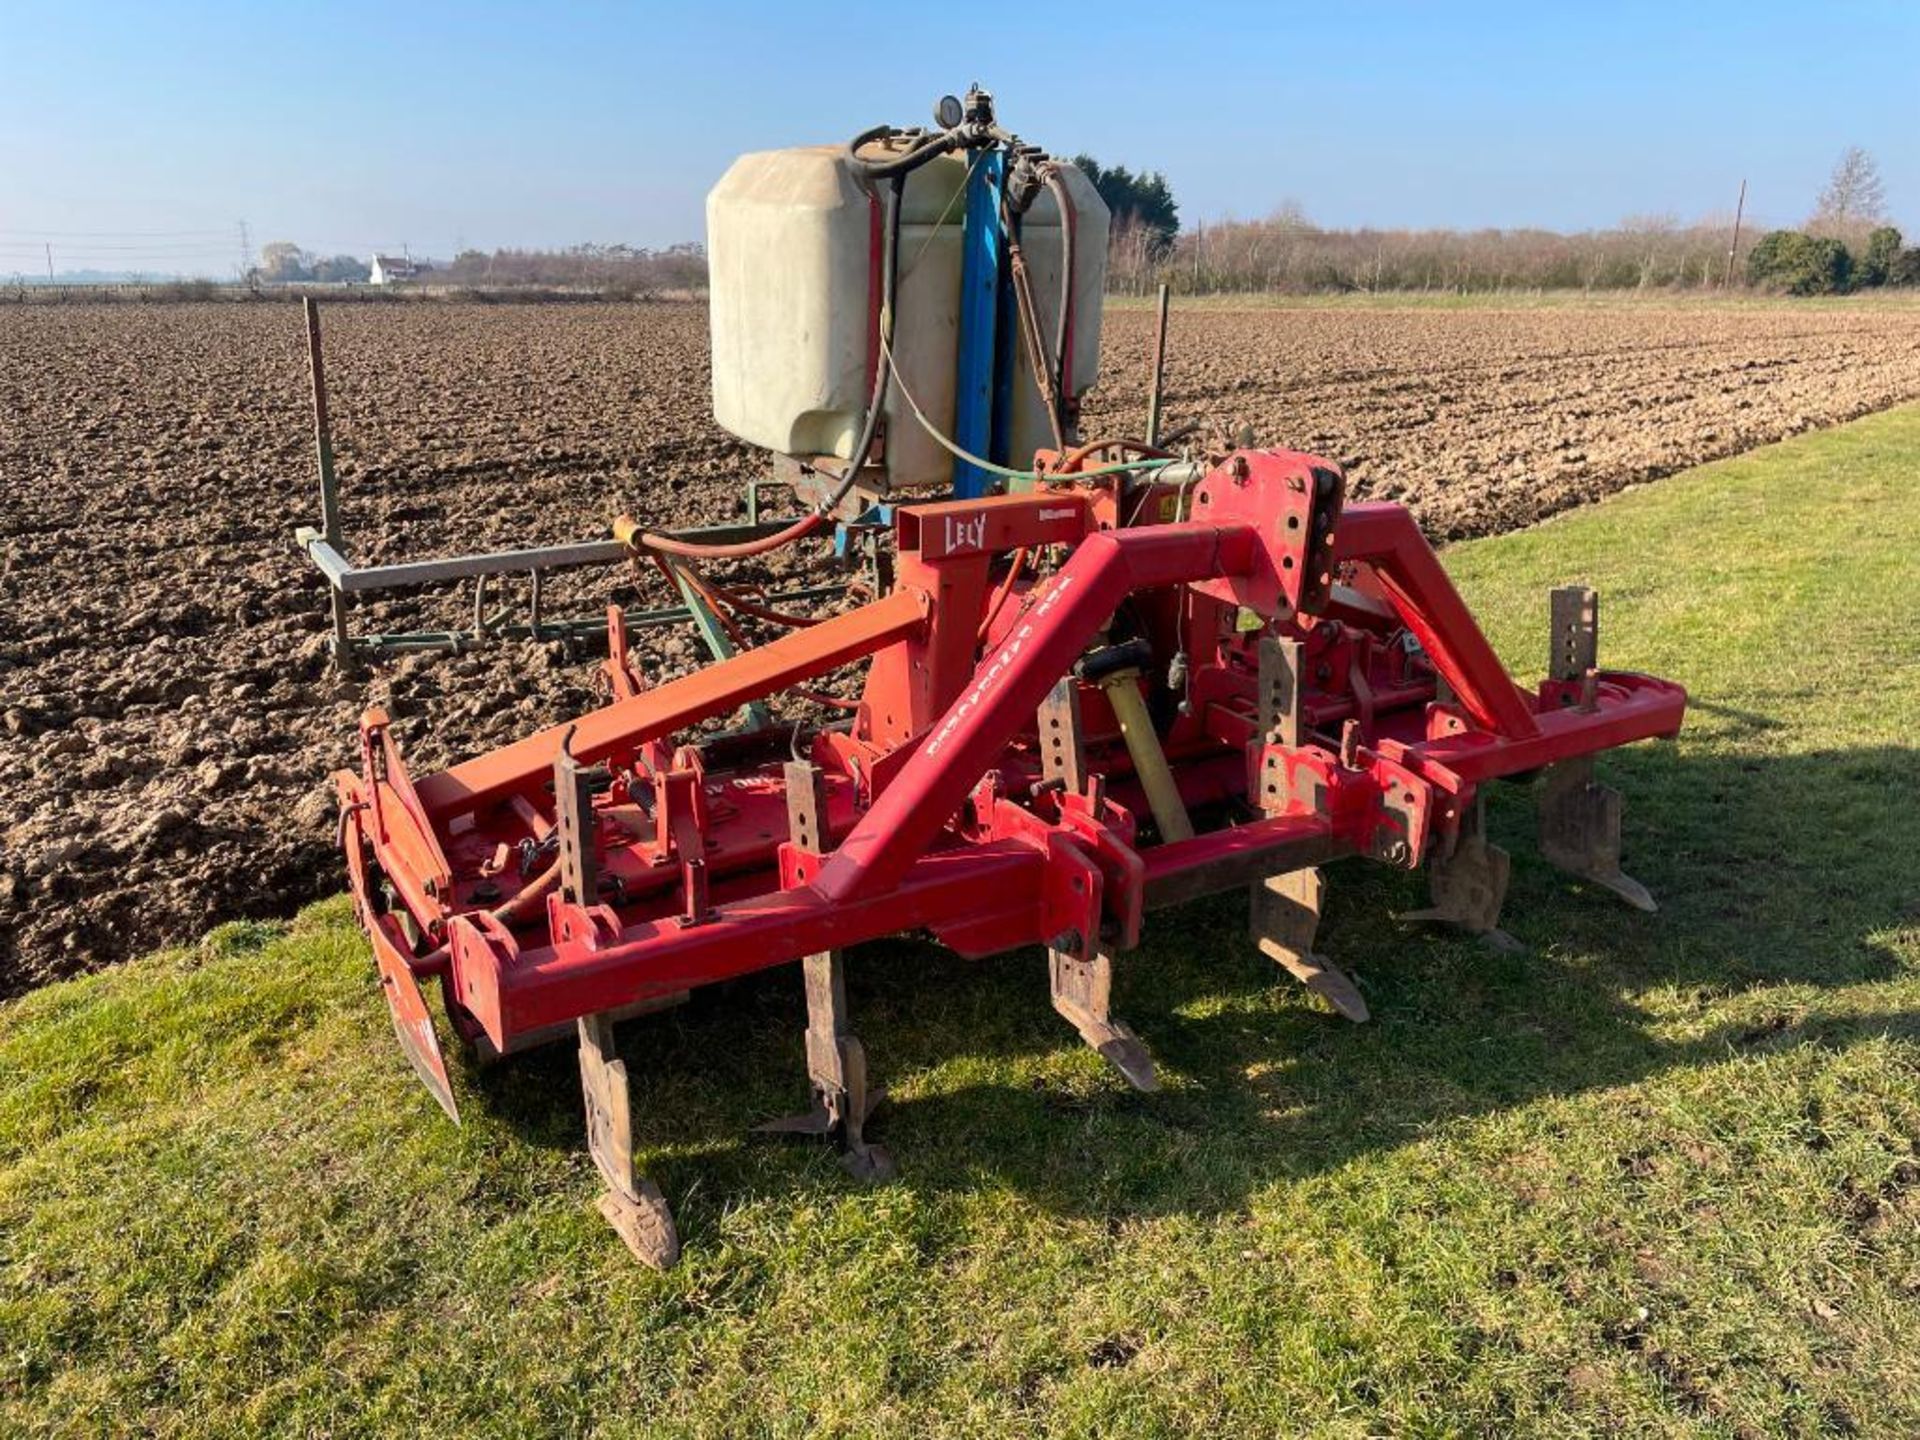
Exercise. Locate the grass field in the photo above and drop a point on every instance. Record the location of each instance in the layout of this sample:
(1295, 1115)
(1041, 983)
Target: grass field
(1650, 1175)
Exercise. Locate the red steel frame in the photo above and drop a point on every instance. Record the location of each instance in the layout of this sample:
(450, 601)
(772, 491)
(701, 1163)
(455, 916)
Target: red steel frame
(937, 816)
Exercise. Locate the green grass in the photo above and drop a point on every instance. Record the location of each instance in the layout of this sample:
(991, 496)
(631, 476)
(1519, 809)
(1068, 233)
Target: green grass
(1655, 1175)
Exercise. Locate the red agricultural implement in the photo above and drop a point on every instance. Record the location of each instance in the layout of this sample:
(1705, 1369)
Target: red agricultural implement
(1137, 681)
(1016, 774)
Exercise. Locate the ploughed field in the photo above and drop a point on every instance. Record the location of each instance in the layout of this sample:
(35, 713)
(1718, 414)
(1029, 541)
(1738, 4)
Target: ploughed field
(167, 714)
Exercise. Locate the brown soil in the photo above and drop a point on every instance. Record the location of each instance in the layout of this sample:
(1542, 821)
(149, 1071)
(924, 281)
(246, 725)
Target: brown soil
(167, 716)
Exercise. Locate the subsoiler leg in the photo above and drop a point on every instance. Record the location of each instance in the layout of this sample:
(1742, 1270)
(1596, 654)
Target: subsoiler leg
(1284, 913)
(836, 1060)
(1082, 990)
(1469, 886)
(633, 1204)
(837, 1071)
(1580, 830)
(1580, 818)
(1286, 917)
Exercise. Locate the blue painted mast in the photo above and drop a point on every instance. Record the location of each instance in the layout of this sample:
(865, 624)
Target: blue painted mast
(977, 383)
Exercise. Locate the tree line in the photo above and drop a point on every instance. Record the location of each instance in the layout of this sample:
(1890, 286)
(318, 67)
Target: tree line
(618, 271)
(1845, 244)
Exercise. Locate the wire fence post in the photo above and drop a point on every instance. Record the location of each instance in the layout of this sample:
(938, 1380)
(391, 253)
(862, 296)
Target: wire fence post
(1159, 369)
(329, 484)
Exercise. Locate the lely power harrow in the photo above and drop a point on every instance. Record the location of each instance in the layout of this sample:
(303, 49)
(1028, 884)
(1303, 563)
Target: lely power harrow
(1134, 681)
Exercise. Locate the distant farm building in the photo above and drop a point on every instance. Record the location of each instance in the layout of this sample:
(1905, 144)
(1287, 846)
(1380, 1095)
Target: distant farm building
(390, 269)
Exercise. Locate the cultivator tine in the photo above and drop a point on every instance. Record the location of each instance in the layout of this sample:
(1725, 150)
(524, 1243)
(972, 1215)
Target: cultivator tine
(1469, 885)
(633, 1204)
(836, 1060)
(1579, 817)
(1081, 991)
(406, 1006)
(837, 1071)
(1580, 830)
(1286, 916)
(1285, 909)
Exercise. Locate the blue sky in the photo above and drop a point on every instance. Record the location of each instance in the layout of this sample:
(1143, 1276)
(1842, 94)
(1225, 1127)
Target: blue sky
(142, 133)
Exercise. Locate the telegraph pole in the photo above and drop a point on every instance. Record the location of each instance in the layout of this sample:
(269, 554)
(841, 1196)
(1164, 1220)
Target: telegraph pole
(246, 251)
(1739, 210)
(49, 262)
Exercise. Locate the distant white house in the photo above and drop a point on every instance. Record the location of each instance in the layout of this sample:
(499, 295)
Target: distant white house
(388, 269)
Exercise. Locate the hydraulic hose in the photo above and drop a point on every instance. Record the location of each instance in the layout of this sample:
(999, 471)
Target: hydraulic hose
(922, 149)
(1064, 317)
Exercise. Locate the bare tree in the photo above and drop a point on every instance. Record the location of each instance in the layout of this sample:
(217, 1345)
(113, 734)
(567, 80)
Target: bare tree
(282, 261)
(1854, 197)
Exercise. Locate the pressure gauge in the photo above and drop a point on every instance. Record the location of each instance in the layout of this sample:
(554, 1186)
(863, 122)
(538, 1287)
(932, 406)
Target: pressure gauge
(948, 112)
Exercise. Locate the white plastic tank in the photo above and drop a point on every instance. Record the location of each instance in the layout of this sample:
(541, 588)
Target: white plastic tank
(792, 249)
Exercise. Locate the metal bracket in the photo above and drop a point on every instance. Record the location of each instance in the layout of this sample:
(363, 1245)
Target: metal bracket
(1576, 632)
(1280, 699)
(574, 828)
(1063, 751)
(622, 674)
(680, 830)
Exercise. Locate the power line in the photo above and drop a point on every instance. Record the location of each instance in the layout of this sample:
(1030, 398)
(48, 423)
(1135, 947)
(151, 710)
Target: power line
(118, 249)
(110, 234)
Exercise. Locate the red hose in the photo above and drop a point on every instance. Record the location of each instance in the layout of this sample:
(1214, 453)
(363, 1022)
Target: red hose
(738, 550)
(517, 908)
(714, 603)
(1077, 456)
(741, 603)
(820, 697)
(1000, 595)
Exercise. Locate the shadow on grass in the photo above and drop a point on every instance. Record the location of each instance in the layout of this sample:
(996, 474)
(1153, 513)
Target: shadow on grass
(1772, 871)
